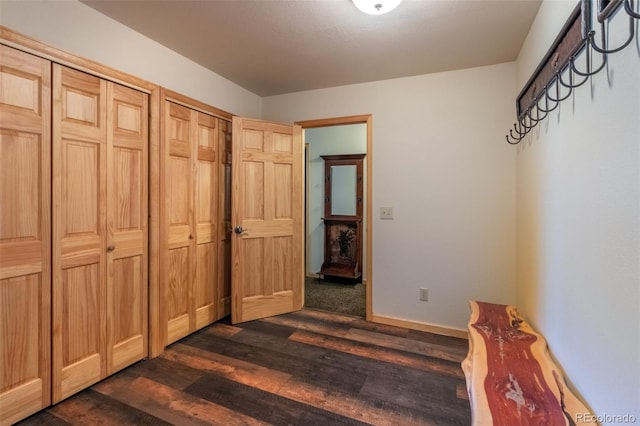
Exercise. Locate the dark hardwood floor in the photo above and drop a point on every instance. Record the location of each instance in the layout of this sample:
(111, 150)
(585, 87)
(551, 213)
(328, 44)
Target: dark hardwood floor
(304, 368)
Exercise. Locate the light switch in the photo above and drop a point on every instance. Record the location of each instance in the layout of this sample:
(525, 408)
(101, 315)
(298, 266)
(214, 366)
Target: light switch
(386, 213)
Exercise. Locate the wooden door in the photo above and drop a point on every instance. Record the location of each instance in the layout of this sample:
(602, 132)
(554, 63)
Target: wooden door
(99, 229)
(127, 195)
(189, 220)
(25, 239)
(206, 212)
(223, 293)
(267, 215)
(79, 217)
(177, 222)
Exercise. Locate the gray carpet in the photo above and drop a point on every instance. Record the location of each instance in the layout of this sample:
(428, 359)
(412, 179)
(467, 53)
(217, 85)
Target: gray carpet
(342, 298)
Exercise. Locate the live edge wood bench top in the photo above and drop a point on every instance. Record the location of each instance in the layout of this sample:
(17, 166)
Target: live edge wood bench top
(511, 378)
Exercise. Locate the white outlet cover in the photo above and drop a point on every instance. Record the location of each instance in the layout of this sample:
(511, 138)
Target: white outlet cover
(424, 294)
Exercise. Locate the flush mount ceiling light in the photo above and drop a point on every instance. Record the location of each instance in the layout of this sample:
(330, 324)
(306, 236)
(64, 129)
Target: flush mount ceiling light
(376, 7)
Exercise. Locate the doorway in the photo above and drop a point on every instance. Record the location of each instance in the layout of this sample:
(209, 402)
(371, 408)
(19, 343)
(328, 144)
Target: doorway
(335, 136)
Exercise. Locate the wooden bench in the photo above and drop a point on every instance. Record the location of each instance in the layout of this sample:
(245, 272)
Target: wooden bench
(511, 378)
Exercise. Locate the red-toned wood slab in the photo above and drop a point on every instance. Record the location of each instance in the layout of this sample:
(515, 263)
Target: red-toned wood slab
(511, 378)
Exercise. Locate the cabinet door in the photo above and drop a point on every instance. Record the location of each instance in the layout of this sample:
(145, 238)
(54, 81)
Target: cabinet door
(127, 147)
(79, 216)
(25, 241)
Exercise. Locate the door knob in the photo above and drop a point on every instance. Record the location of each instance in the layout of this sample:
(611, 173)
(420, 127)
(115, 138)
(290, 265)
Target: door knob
(238, 230)
(110, 249)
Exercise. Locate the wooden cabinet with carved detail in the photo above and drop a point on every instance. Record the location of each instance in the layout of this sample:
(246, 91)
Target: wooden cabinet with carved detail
(342, 219)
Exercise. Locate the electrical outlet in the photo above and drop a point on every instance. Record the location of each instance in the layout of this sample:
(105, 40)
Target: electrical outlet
(424, 294)
(386, 213)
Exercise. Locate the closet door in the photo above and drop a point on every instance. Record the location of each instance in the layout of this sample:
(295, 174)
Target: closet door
(223, 294)
(25, 242)
(189, 270)
(79, 219)
(206, 206)
(127, 194)
(177, 266)
(99, 229)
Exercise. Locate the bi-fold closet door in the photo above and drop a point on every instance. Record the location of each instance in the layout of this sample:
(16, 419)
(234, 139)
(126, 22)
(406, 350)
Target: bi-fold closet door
(100, 198)
(25, 234)
(73, 231)
(192, 273)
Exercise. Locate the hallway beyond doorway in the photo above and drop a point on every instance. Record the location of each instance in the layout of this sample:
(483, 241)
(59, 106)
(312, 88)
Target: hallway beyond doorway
(337, 297)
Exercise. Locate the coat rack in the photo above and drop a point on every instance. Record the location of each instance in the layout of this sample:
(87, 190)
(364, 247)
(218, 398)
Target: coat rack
(557, 75)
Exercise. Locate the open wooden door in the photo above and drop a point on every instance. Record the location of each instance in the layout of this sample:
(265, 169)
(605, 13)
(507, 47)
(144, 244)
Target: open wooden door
(267, 216)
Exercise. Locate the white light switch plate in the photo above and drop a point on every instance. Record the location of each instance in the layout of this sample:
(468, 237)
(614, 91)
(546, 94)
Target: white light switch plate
(386, 212)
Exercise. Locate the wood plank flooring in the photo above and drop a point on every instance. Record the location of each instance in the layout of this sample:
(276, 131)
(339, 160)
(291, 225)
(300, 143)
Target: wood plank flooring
(305, 368)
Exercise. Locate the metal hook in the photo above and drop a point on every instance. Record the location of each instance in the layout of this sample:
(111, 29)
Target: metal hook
(526, 120)
(546, 108)
(558, 99)
(537, 119)
(518, 129)
(521, 133)
(590, 72)
(628, 7)
(519, 137)
(515, 140)
(523, 122)
(570, 85)
(604, 49)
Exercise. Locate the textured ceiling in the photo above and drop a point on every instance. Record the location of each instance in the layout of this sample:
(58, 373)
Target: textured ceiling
(273, 47)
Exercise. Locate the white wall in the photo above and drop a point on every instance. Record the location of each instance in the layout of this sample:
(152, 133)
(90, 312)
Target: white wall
(578, 201)
(333, 140)
(441, 161)
(76, 28)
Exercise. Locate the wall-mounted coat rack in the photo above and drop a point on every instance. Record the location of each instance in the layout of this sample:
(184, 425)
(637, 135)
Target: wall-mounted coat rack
(577, 53)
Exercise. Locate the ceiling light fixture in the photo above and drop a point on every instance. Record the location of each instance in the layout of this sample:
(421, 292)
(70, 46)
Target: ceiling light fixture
(376, 7)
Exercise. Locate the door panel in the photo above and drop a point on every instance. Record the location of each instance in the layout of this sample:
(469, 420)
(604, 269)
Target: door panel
(189, 188)
(223, 292)
(25, 234)
(177, 294)
(100, 180)
(206, 219)
(127, 159)
(179, 183)
(204, 285)
(79, 214)
(267, 257)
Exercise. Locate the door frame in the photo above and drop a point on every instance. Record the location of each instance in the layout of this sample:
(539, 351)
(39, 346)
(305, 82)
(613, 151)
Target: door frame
(368, 211)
